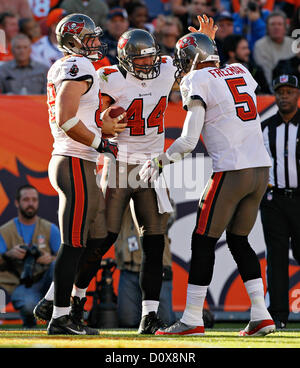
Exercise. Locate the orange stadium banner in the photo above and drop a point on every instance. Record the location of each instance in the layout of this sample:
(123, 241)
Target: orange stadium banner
(25, 150)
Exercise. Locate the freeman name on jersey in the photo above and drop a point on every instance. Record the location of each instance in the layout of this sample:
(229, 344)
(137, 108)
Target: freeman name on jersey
(225, 72)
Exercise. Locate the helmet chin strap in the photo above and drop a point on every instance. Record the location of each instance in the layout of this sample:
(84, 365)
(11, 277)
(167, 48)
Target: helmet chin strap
(94, 56)
(195, 62)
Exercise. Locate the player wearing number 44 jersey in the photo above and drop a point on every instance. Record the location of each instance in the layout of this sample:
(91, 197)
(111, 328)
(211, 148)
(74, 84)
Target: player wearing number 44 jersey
(220, 104)
(141, 84)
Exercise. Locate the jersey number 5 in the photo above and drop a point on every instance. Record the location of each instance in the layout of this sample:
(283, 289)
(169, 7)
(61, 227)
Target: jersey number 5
(242, 98)
(136, 122)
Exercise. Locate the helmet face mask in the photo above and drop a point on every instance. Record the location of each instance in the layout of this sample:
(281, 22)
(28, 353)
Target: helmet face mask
(77, 34)
(133, 47)
(192, 49)
(144, 71)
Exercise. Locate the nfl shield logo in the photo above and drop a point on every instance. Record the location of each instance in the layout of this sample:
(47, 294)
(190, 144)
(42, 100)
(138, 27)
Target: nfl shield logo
(283, 78)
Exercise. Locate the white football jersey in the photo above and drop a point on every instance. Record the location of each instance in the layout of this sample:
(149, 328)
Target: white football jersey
(74, 68)
(45, 52)
(145, 102)
(232, 131)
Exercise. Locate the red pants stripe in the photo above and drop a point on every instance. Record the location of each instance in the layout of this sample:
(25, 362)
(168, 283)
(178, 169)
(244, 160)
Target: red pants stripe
(207, 203)
(79, 201)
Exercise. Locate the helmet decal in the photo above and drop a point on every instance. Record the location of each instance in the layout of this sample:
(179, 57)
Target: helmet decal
(122, 42)
(73, 27)
(187, 41)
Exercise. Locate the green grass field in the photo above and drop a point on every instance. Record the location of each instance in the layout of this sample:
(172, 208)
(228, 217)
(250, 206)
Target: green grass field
(221, 336)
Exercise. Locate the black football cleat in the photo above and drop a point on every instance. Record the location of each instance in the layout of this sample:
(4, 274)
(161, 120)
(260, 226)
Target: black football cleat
(64, 325)
(150, 323)
(43, 310)
(77, 309)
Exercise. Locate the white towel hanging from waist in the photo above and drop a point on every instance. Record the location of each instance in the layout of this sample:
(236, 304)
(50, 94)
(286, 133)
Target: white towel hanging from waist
(163, 201)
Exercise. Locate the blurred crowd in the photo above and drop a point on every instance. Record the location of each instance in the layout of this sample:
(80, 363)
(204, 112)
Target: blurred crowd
(261, 34)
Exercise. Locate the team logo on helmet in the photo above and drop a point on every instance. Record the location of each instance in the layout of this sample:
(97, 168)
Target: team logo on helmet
(187, 41)
(122, 42)
(73, 27)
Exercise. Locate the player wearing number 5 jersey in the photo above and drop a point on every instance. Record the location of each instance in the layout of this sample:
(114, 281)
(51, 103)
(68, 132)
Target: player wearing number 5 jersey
(220, 104)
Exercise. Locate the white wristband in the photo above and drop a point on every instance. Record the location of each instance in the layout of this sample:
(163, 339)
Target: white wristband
(96, 142)
(69, 124)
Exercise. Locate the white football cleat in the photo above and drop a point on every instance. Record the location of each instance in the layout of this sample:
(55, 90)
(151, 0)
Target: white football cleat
(259, 328)
(180, 328)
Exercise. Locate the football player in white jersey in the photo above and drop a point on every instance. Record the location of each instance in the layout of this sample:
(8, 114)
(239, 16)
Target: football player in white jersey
(141, 84)
(220, 104)
(74, 117)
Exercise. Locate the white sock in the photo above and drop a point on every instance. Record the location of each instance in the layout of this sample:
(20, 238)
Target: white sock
(149, 306)
(193, 312)
(255, 289)
(60, 311)
(80, 293)
(50, 293)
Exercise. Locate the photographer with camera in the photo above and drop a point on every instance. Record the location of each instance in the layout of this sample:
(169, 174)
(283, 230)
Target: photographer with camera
(28, 247)
(250, 21)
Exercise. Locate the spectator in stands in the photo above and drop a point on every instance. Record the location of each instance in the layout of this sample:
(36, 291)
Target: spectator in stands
(290, 8)
(224, 21)
(138, 16)
(200, 7)
(31, 28)
(45, 50)
(9, 23)
(95, 9)
(116, 25)
(22, 75)
(129, 257)
(18, 236)
(169, 34)
(20, 8)
(187, 10)
(266, 4)
(290, 66)
(274, 46)
(158, 7)
(250, 21)
(41, 8)
(236, 50)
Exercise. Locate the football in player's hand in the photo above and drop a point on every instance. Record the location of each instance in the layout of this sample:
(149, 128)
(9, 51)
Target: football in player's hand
(116, 111)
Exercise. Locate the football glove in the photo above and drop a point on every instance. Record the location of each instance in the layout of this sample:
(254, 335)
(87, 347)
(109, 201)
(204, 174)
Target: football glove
(151, 170)
(108, 147)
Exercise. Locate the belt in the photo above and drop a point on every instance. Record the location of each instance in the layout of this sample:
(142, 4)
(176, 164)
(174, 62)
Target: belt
(290, 193)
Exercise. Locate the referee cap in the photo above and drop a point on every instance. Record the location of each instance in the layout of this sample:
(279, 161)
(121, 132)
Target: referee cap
(285, 80)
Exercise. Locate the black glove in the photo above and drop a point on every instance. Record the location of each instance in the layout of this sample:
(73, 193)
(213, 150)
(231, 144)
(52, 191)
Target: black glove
(108, 147)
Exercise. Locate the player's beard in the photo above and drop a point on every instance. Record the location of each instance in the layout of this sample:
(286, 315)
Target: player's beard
(28, 212)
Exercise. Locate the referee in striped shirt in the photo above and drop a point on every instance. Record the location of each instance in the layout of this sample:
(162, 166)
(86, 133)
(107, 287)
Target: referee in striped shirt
(280, 207)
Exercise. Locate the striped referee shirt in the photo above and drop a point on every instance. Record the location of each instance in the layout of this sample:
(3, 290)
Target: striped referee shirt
(282, 142)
